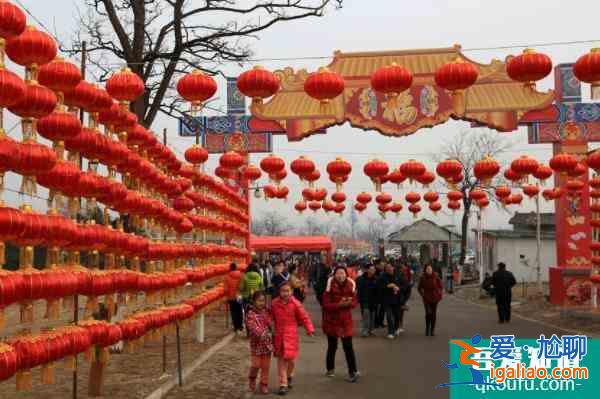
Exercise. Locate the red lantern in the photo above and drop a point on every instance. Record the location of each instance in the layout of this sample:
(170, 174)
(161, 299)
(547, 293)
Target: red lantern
(231, 160)
(531, 190)
(258, 84)
(302, 166)
(320, 194)
(579, 170)
(454, 205)
(396, 177)
(396, 208)
(59, 126)
(196, 155)
(82, 96)
(196, 87)
(278, 177)
(551, 194)
(324, 85)
(272, 164)
(314, 206)
(456, 76)
(12, 22)
(364, 198)
(511, 175)
(477, 194)
(300, 206)
(383, 209)
(383, 198)
(412, 197)
(376, 170)
(435, 207)
(282, 192)
(12, 88)
(338, 171)
(391, 80)
(431, 197)
(482, 203)
(485, 170)
(543, 173)
(574, 185)
(524, 165)
(587, 68)
(328, 206)
(32, 47)
(339, 208)
(413, 169)
(448, 169)
(563, 163)
(426, 178)
(502, 192)
(125, 86)
(59, 75)
(311, 178)
(38, 102)
(360, 207)
(338, 197)
(270, 191)
(516, 198)
(595, 182)
(593, 161)
(224, 173)
(308, 194)
(414, 209)
(251, 173)
(529, 67)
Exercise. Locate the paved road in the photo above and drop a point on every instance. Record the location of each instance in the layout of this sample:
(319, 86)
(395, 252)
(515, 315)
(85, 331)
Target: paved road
(408, 367)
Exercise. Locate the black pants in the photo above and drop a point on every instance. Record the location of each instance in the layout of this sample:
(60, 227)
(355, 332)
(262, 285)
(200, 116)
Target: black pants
(503, 310)
(237, 317)
(392, 314)
(430, 317)
(332, 344)
(380, 316)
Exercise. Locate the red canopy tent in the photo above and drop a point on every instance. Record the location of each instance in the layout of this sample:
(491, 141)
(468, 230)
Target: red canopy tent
(292, 244)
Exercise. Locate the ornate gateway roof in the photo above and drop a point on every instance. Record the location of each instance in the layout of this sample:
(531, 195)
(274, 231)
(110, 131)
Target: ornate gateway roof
(494, 100)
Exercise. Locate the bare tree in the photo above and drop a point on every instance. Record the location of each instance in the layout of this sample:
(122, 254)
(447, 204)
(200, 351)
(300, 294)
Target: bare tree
(312, 227)
(468, 148)
(161, 39)
(373, 230)
(271, 223)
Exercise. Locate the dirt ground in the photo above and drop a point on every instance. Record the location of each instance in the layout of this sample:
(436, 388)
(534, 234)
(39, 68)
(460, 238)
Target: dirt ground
(128, 375)
(529, 304)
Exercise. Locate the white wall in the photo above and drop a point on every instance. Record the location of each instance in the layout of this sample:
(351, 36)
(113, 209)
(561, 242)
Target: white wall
(509, 250)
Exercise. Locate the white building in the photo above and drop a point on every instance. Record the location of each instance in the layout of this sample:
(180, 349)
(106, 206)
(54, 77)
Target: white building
(517, 247)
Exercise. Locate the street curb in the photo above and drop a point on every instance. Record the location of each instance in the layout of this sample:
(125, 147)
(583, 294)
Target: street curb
(518, 316)
(187, 371)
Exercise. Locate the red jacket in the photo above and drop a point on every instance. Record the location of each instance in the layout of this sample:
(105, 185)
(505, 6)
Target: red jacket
(430, 288)
(231, 283)
(337, 318)
(259, 323)
(287, 316)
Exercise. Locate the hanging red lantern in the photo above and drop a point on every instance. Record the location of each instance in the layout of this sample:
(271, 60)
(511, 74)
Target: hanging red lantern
(485, 170)
(563, 163)
(435, 207)
(125, 86)
(426, 179)
(300, 206)
(328, 206)
(320, 194)
(454, 205)
(302, 166)
(383, 209)
(574, 185)
(251, 173)
(338, 171)
(477, 194)
(587, 68)
(531, 190)
(38, 102)
(579, 170)
(550, 194)
(524, 165)
(376, 170)
(196, 87)
(258, 84)
(414, 209)
(59, 75)
(457, 76)
(82, 96)
(383, 198)
(32, 47)
(59, 126)
(314, 206)
(364, 198)
(272, 164)
(282, 192)
(339, 208)
(482, 203)
(593, 161)
(270, 191)
(516, 198)
(360, 207)
(324, 85)
(543, 173)
(413, 169)
(412, 197)
(431, 197)
(231, 160)
(396, 208)
(454, 196)
(396, 177)
(278, 177)
(448, 169)
(12, 88)
(595, 182)
(308, 194)
(511, 175)
(12, 20)
(196, 155)
(529, 67)
(311, 178)
(224, 173)
(502, 192)
(338, 197)
(391, 79)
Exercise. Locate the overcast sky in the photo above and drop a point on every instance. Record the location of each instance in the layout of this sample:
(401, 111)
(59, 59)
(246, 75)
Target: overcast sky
(393, 25)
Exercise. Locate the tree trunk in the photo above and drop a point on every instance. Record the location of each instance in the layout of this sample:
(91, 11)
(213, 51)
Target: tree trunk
(464, 231)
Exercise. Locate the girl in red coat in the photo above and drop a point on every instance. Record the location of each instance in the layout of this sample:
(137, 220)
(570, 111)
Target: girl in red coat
(338, 301)
(430, 288)
(288, 313)
(259, 323)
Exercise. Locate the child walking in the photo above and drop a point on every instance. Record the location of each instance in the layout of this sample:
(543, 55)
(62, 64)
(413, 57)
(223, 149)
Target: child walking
(288, 312)
(259, 323)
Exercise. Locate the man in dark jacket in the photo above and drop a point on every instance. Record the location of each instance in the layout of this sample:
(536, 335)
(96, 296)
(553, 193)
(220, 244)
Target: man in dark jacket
(391, 291)
(324, 272)
(366, 285)
(503, 281)
(280, 276)
(380, 312)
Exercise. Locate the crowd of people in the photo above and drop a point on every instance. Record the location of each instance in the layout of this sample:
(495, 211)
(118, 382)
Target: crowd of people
(267, 301)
